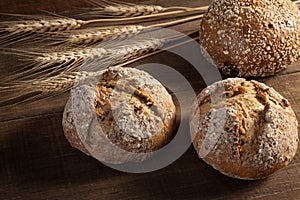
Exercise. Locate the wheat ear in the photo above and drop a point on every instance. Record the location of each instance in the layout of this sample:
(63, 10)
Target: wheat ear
(19, 30)
(103, 8)
(96, 35)
(188, 11)
(132, 11)
(105, 57)
(127, 52)
(40, 88)
(32, 90)
(48, 64)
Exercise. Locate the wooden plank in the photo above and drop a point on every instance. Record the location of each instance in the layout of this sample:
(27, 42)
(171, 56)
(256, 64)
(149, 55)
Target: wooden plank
(36, 161)
(40, 164)
(287, 85)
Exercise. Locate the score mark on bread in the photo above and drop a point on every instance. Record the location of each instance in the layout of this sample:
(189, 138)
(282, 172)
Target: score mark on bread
(133, 116)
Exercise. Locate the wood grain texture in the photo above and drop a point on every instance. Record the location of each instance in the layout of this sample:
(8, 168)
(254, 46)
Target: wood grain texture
(36, 161)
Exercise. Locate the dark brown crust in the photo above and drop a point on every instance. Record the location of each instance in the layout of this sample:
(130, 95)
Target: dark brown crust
(249, 134)
(251, 38)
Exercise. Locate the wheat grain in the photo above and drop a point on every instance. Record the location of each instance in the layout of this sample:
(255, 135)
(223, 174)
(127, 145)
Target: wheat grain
(28, 91)
(17, 31)
(65, 24)
(95, 35)
(98, 53)
(59, 83)
(122, 9)
(104, 8)
(90, 59)
(188, 11)
(54, 85)
(41, 88)
(92, 36)
(71, 55)
(42, 26)
(124, 53)
(132, 11)
(20, 29)
(46, 64)
(56, 62)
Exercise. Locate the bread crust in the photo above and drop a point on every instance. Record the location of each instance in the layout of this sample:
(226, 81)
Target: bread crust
(251, 38)
(133, 115)
(244, 129)
(70, 129)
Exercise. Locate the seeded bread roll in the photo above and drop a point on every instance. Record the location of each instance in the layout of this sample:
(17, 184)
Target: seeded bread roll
(244, 129)
(251, 38)
(125, 116)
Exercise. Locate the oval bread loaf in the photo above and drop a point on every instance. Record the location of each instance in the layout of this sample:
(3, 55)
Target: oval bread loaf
(244, 129)
(132, 116)
(251, 38)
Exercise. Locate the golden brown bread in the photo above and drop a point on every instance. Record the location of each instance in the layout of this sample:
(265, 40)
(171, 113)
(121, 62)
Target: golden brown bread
(132, 116)
(244, 129)
(251, 38)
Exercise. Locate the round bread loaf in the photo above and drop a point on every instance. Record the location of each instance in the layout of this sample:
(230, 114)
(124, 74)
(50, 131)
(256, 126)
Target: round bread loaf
(251, 38)
(244, 129)
(124, 116)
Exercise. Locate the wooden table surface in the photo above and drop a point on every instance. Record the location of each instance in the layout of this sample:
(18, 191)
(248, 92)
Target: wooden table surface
(37, 162)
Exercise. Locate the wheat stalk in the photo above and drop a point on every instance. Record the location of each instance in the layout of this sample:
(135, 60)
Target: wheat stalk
(105, 33)
(122, 9)
(105, 8)
(58, 24)
(66, 60)
(19, 30)
(95, 35)
(53, 62)
(71, 60)
(18, 91)
(67, 56)
(132, 11)
(128, 52)
(110, 55)
(40, 88)
(188, 11)
(42, 26)
(45, 64)
(14, 31)
(59, 83)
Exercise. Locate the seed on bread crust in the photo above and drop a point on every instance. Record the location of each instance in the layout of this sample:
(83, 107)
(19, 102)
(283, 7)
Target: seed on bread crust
(251, 38)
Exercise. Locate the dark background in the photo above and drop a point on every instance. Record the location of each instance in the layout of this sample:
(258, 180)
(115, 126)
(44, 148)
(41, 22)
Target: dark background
(36, 161)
